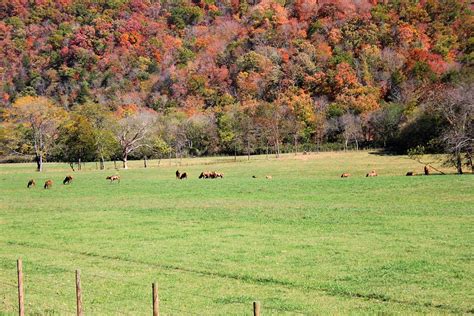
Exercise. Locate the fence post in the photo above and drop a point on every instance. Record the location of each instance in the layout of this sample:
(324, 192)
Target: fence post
(156, 300)
(256, 308)
(21, 297)
(78, 294)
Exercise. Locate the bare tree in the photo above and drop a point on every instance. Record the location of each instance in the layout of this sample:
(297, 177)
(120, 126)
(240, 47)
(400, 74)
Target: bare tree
(456, 106)
(352, 129)
(132, 132)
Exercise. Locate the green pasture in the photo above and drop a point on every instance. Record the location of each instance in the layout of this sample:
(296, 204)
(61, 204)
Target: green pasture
(305, 241)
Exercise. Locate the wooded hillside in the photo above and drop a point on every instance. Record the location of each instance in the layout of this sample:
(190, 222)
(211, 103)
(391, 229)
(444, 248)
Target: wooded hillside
(207, 77)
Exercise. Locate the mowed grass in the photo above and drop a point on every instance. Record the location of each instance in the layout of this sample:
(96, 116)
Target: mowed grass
(306, 241)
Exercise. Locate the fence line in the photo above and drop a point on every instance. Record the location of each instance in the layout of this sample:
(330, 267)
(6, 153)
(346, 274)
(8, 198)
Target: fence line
(81, 306)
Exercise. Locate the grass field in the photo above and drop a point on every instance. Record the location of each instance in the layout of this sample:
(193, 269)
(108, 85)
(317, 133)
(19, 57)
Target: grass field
(306, 241)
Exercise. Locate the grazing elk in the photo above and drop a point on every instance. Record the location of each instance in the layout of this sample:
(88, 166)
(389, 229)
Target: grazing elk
(371, 174)
(268, 177)
(178, 175)
(254, 177)
(345, 175)
(210, 175)
(427, 170)
(113, 178)
(184, 175)
(410, 173)
(205, 175)
(31, 183)
(67, 180)
(48, 184)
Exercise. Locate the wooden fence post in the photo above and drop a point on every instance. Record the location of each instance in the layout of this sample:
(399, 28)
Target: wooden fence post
(21, 297)
(156, 300)
(256, 308)
(78, 294)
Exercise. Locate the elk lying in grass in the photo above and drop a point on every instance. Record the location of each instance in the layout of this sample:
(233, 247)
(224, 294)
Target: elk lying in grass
(113, 178)
(371, 174)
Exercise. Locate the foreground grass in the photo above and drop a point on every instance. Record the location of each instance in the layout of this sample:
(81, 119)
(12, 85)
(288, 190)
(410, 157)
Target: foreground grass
(306, 241)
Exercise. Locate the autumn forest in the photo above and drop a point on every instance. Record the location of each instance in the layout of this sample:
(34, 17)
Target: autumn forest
(120, 79)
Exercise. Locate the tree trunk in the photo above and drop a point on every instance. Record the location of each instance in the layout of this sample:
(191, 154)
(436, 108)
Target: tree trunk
(345, 144)
(101, 163)
(124, 159)
(357, 144)
(79, 166)
(235, 153)
(144, 162)
(296, 144)
(39, 163)
(458, 162)
(267, 150)
(469, 159)
(277, 154)
(248, 150)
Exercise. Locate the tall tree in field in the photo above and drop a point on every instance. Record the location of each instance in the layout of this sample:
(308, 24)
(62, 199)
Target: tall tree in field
(133, 130)
(35, 121)
(103, 125)
(456, 106)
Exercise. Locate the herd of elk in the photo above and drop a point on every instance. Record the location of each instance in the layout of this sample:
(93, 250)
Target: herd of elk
(204, 175)
(210, 175)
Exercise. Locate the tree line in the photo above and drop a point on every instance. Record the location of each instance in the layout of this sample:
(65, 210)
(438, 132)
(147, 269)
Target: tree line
(35, 126)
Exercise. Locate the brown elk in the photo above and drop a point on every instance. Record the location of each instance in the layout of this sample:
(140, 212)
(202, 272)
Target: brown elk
(184, 175)
(345, 175)
(371, 174)
(31, 183)
(427, 170)
(113, 178)
(205, 175)
(410, 173)
(178, 175)
(67, 180)
(48, 184)
(210, 175)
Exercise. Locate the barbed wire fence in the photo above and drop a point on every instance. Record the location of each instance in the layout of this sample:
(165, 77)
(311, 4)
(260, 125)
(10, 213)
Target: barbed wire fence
(10, 289)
